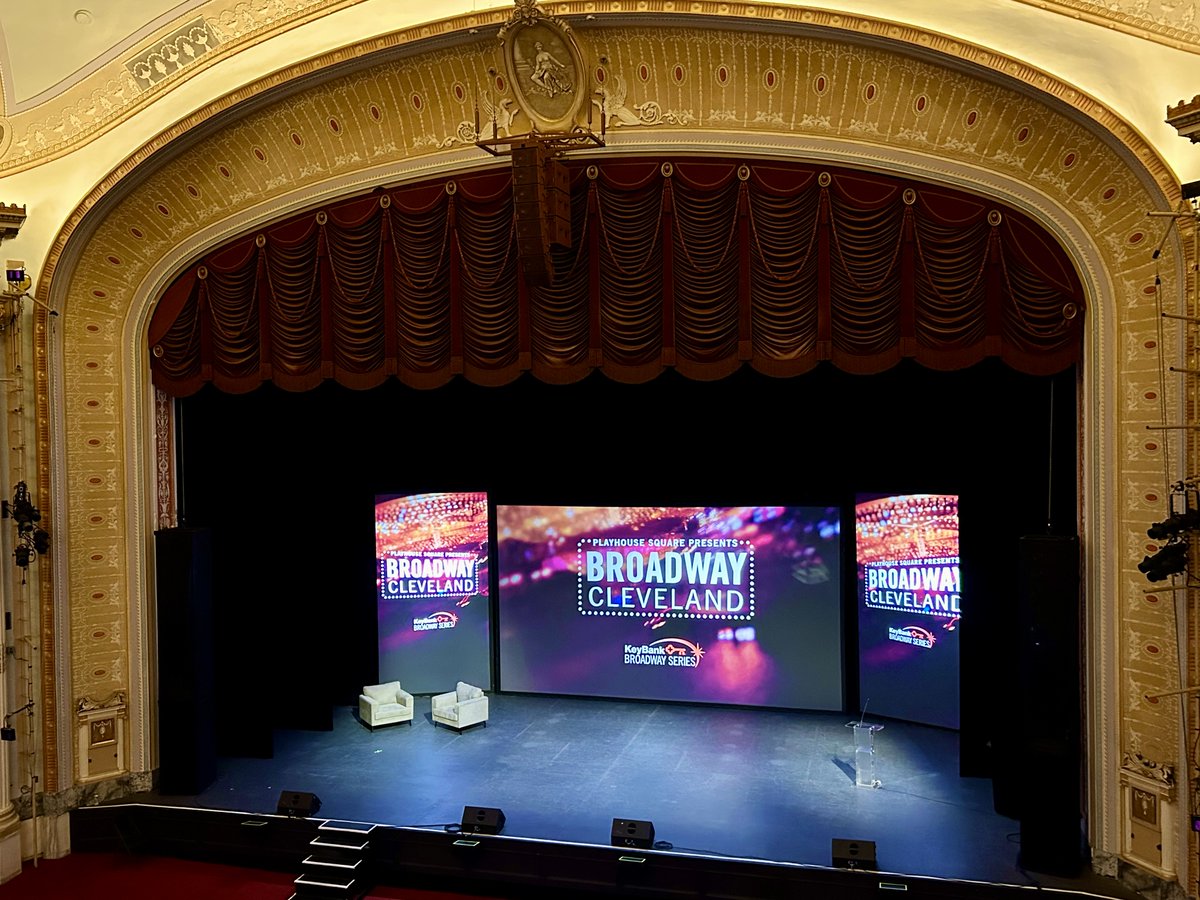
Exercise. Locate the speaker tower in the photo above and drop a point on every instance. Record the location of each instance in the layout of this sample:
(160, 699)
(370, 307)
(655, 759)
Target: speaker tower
(1047, 772)
(186, 682)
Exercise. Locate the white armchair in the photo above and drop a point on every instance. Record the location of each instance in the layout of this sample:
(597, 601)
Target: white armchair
(460, 708)
(385, 704)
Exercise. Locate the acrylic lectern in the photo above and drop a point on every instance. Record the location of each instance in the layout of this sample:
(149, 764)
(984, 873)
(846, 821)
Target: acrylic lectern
(864, 753)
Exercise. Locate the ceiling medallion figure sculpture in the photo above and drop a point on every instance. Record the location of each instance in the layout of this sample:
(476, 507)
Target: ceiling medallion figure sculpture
(548, 77)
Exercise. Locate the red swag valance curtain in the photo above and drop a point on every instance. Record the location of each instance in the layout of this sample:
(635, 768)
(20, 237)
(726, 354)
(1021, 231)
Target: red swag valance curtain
(700, 266)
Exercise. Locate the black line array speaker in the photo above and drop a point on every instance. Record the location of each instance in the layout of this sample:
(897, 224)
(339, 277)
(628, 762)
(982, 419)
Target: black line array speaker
(298, 804)
(850, 854)
(1046, 778)
(186, 680)
(541, 206)
(482, 820)
(632, 833)
(1048, 605)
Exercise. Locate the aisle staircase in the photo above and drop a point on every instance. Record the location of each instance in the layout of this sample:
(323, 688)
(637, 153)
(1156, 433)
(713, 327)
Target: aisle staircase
(336, 865)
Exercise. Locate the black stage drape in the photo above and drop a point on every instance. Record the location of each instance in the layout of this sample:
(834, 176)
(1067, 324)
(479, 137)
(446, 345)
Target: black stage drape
(286, 482)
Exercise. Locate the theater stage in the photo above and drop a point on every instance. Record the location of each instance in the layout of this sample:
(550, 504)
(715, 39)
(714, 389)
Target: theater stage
(715, 782)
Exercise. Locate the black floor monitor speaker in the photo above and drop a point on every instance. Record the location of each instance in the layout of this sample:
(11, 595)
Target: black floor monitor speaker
(482, 820)
(849, 854)
(632, 833)
(298, 804)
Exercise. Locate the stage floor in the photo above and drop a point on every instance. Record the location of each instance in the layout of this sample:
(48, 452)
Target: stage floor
(752, 784)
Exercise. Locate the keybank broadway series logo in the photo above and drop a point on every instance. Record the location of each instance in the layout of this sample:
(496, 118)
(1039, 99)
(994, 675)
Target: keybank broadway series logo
(679, 578)
(912, 634)
(664, 652)
(434, 621)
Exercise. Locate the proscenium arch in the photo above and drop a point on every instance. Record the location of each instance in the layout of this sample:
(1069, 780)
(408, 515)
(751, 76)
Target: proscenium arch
(172, 200)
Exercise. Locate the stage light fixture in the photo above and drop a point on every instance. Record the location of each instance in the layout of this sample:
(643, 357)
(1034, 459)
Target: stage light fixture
(1183, 493)
(7, 732)
(1170, 559)
(1174, 525)
(32, 540)
(1174, 532)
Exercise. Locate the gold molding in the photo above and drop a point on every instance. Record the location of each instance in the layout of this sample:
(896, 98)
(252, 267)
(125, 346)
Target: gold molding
(1132, 24)
(46, 613)
(1185, 118)
(472, 23)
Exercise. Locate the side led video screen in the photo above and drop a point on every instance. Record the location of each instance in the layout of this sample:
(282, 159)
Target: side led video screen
(910, 606)
(431, 557)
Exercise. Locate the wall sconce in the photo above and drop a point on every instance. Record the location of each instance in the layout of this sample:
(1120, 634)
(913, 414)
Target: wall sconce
(16, 288)
(16, 278)
(32, 540)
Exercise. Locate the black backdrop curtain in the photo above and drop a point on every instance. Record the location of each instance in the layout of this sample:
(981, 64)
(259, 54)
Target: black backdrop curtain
(286, 481)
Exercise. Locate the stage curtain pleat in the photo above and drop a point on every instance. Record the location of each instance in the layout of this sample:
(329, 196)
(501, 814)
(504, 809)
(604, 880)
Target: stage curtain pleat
(950, 270)
(489, 262)
(865, 228)
(421, 276)
(705, 255)
(294, 273)
(697, 265)
(784, 219)
(356, 254)
(233, 323)
(630, 218)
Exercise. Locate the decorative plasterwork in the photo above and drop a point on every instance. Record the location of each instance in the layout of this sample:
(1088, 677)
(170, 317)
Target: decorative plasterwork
(1174, 24)
(1184, 117)
(125, 85)
(171, 55)
(110, 97)
(12, 217)
(545, 67)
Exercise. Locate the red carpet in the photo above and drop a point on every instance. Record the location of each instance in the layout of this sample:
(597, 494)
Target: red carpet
(112, 876)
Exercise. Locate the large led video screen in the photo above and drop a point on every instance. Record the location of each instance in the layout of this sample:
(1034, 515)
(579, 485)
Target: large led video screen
(431, 558)
(909, 606)
(738, 605)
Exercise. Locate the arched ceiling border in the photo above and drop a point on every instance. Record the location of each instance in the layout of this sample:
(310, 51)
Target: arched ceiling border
(752, 14)
(961, 56)
(943, 49)
(72, 241)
